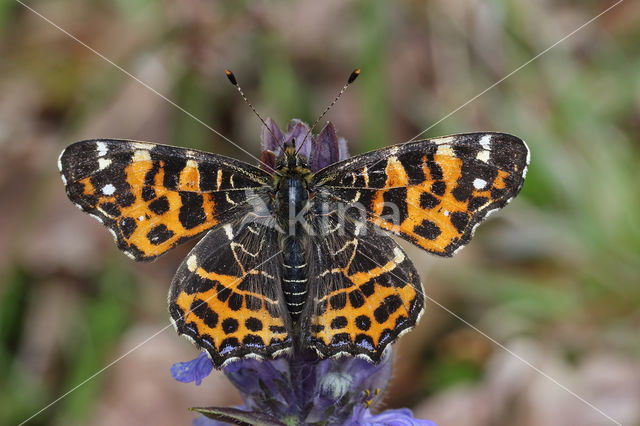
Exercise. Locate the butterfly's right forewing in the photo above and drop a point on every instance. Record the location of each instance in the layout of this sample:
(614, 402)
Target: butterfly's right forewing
(434, 192)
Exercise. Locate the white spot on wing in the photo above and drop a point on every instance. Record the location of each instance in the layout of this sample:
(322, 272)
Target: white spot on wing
(483, 156)
(399, 255)
(142, 145)
(60, 161)
(108, 189)
(485, 142)
(103, 163)
(485, 153)
(64, 179)
(102, 149)
(456, 251)
(96, 217)
(479, 183)
(446, 213)
(189, 338)
(526, 167)
(192, 263)
(490, 212)
(219, 179)
(445, 150)
(229, 231)
(141, 155)
(445, 140)
(141, 219)
(172, 321)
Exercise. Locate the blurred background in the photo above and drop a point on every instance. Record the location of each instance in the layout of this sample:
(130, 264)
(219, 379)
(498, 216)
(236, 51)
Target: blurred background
(554, 277)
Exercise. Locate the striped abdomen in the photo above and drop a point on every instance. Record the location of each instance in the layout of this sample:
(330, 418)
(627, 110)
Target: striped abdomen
(291, 197)
(294, 276)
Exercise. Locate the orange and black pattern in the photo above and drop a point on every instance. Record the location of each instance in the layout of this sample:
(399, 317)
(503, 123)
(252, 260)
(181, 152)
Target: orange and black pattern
(154, 197)
(364, 292)
(340, 285)
(432, 193)
(226, 295)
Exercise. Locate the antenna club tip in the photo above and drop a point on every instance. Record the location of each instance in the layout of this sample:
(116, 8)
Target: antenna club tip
(231, 77)
(354, 75)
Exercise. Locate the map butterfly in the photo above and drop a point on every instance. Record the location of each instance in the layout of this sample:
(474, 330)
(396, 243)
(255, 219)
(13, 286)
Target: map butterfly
(295, 254)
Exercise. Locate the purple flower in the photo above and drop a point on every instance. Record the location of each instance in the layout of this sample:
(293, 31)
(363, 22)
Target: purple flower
(192, 371)
(320, 151)
(301, 389)
(399, 417)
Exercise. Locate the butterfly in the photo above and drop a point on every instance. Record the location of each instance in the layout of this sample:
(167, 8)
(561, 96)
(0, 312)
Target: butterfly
(297, 253)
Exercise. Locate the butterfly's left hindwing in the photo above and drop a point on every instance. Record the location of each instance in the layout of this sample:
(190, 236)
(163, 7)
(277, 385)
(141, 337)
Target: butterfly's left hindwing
(227, 293)
(434, 192)
(153, 197)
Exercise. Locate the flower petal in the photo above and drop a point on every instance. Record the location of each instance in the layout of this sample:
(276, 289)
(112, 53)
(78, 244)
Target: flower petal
(268, 133)
(192, 371)
(326, 150)
(398, 417)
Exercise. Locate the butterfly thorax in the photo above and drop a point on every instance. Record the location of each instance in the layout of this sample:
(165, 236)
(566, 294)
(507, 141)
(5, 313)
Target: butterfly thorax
(291, 185)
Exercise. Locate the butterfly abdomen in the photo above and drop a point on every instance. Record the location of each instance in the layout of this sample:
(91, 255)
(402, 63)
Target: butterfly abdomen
(294, 276)
(292, 196)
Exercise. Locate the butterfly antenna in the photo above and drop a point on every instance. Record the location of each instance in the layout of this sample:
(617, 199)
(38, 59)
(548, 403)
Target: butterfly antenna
(232, 79)
(351, 79)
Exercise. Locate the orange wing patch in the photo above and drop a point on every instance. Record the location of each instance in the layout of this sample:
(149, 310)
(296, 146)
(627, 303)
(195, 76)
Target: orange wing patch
(367, 314)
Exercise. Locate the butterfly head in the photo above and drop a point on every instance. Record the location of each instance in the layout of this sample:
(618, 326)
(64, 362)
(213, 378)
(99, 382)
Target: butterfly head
(292, 162)
(291, 165)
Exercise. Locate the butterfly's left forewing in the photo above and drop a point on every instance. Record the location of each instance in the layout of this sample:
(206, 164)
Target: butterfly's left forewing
(434, 192)
(153, 197)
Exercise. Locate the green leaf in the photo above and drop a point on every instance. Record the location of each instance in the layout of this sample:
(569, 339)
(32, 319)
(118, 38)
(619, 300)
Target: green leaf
(239, 417)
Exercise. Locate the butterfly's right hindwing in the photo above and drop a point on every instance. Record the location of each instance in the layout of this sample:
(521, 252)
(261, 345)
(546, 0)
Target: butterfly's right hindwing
(364, 292)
